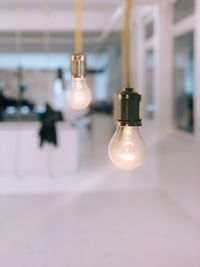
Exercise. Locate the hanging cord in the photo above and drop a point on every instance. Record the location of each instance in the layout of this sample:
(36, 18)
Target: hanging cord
(18, 33)
(78, 32)
(46, 35)
(126, 43)
(18, 46)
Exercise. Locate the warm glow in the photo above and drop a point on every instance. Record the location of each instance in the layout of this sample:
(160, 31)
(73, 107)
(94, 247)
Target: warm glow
(127, 149)
(126, 154)
(78, 95)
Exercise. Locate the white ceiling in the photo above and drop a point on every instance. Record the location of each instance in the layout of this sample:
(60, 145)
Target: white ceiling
(61, 42)
(59, 15)
(56, 4)
(100, 19)
(67, 4)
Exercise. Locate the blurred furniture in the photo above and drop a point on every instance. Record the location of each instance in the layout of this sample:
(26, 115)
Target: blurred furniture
(21, 153)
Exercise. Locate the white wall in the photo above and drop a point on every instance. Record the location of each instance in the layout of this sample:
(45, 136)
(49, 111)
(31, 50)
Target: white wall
(180, 169)
(178, 164)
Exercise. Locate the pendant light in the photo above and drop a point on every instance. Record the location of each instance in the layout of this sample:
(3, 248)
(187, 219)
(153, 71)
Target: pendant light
(127, 149)
(78, 94)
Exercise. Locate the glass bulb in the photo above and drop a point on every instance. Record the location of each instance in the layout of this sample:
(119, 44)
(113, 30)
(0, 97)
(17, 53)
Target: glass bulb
(79, 95)
(127, 149)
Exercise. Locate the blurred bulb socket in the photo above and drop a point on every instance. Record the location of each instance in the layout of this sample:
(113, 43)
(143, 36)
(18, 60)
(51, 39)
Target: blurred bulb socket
(127, 108)
(78, 66)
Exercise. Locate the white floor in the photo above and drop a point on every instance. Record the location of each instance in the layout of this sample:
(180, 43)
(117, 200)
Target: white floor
(96, 230)
(99, 216)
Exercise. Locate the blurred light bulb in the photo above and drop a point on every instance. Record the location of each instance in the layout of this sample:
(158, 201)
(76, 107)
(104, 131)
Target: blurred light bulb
(79, 95)
(127, 149)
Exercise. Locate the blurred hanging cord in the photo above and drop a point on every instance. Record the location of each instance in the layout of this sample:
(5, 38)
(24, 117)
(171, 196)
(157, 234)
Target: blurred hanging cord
(47, 132)
(46, 35)
(18, 44)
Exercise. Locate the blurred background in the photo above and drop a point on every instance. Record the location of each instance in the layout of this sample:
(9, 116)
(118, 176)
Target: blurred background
(62, 202)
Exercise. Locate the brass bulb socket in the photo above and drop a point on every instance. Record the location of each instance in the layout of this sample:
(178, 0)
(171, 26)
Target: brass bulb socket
(127, 108)
(78, 66)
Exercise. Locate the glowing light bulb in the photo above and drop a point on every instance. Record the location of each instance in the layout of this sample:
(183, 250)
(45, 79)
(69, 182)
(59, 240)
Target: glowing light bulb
(79, 95)
(127, 149)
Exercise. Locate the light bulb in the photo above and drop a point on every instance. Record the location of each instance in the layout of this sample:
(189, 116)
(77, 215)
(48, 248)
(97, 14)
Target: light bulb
(78, 95)
(127, 149)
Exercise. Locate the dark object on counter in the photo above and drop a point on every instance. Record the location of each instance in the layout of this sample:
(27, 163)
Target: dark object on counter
(12, 102)
(47, 131)
(102, 107)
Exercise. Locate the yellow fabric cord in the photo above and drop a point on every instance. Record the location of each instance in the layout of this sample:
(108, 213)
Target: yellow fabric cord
(126, 43)
(78, 32)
